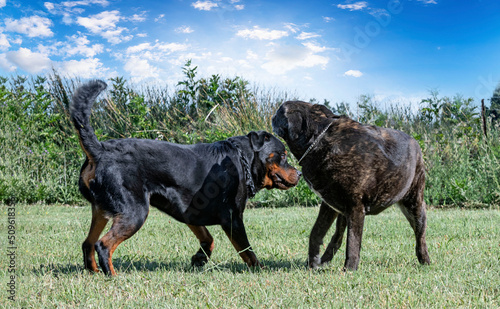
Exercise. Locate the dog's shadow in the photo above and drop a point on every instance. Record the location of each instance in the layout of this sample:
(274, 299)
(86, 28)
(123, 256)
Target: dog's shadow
(125, 265)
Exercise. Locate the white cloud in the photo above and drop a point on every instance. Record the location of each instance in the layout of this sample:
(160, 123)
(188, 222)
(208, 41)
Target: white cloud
(282, 59)
(328, 19)
(71, 4)
(292, 27)
(159, 17)
(140, 59)
(74, 45)
(29, 61)
(6, 64)
(204, 5)
(79, 45)
(307, 35)
(315, 48)
(67, 20)
(16, 40)
(84, 68)
(100, 22)
(114, 36)
(138, 17)
(239, 7)
(33, 26)
(4, 42)
(184, 29)
(3, 3)
(261, 34)
(171, 47)
(105, 25)
(428, 1)
(140, 69)
(182, 58)
(48, 50)
(252, 55)
(49, 6)
(353, 73)
(354, 6)
(139, 48)
(68, 9)
(379, 12)
(156, 48)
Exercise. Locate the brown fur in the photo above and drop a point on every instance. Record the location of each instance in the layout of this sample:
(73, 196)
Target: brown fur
(357, 170)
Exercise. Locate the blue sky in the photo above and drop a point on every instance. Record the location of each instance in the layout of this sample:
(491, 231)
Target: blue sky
(395, 51)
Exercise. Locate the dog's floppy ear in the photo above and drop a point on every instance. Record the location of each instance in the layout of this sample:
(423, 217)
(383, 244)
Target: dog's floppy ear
(321, 111)
(257, 139)
(294, 125)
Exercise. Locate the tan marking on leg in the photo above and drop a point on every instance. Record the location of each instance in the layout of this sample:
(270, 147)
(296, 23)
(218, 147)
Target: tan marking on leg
(120, 231)
(99, 221)
(203, 235)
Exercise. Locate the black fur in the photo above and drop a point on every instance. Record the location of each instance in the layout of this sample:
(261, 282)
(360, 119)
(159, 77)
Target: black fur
(202, 184)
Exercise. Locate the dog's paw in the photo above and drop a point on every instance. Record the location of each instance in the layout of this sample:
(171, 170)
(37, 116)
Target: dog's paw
(199, 259)
(314, 262)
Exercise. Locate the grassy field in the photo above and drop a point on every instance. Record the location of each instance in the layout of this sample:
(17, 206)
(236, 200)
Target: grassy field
(154, 270)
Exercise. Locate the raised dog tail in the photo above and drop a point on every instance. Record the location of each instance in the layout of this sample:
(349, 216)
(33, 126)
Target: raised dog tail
(80, 109)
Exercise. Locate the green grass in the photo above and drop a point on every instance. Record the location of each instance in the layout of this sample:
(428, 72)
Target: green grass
(154, 270)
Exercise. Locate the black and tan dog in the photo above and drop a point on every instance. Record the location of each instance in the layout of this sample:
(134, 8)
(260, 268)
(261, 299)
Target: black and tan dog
(357, 170)
(202, 184)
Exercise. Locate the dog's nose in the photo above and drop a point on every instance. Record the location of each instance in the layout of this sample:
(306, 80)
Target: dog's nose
(299, 173)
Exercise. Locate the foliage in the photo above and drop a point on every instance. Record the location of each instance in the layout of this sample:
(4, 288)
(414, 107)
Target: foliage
(40, 155)
(494, 110)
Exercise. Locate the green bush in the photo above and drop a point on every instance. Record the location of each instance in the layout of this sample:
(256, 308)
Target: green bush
(40, 155)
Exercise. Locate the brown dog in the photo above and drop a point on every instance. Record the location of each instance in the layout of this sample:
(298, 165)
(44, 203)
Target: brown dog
(357, 170)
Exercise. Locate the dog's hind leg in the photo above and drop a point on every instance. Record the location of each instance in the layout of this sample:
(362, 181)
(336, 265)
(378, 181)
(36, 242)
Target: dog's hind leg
(323, 223)
(206, 242)
(415, 213)
(336, 240)
(124, 226)
(98, 224)
(413, 207)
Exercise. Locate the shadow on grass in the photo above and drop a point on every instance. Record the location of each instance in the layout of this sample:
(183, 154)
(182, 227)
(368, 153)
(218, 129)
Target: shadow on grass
(125, 265)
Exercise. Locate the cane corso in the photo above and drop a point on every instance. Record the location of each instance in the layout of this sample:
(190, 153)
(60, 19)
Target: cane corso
(202, 184)
(357, 170)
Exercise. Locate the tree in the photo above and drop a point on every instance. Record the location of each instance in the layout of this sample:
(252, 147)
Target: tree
(494, 110)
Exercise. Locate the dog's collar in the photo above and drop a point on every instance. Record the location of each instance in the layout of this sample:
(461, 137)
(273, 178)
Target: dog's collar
(248, 173)
(315, 142)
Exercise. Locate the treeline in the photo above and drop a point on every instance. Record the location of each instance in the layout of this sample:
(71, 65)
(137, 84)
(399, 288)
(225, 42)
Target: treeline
(40, 156)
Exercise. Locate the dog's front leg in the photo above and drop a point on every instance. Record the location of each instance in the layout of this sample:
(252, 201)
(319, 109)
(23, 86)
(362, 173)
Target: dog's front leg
(324, 221)
(355, 221)
(236, 233)
(206, 243)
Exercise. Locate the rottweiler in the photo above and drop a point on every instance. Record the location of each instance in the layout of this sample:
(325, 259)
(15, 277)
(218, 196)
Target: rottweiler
(201, 184)
(357, 170)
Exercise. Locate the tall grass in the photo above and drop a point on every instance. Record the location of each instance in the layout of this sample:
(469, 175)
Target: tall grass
(40, 155)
